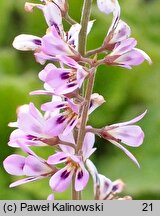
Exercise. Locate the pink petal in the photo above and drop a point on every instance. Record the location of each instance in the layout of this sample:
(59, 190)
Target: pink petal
(57, 158)
(118, 186)
(70, 139)
(70, 125)
(41, 57)
(35, 167)
(120, 33)
(82, 177)
(14, 164)
(88, 144)
(129, 154)
(124, 47)
(26, 42)
(52, 106)
(44, 73)
(132, 58)
(138, 118)
(130, 135)
(105, 187)
(61, 180)
(144, 55)
(41, 92)
(26, 180)
(53, 45)
(53, 15)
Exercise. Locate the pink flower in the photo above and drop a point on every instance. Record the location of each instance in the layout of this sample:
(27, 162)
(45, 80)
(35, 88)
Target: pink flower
(104, 188)
(66, 119)
(67, 113)
(127, 133)
(117, 34)
(126, 55)
(51, 13)
(32, 165)
(75, 164)
(61, 81)
(33, 128)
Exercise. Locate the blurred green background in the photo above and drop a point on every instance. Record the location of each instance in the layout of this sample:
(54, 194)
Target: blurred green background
(128, 93)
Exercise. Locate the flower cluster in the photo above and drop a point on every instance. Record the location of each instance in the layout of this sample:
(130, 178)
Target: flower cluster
(63, 124)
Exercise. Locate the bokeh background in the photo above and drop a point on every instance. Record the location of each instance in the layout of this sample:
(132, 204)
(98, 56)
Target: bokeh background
(128, 93)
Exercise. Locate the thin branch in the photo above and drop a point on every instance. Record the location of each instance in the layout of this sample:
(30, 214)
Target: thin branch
(94, 52)
(67, 144)
(69, 19)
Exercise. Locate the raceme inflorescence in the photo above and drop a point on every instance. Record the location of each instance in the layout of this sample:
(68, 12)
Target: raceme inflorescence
(68, 76)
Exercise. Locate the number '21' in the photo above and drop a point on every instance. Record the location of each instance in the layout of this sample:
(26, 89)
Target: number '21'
(147, 207)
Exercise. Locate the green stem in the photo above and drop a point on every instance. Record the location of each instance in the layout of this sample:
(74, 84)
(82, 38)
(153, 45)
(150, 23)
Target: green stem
(86, 12)
(69, 19)
(84, 116)
(85, 17)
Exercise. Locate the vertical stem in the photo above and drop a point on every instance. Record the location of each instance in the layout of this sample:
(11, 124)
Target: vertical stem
(85, 17)
(84, 115)
(86, 12)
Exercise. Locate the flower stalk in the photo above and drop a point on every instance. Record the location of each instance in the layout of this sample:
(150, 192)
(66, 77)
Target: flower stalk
(86, 12)
(63, 123)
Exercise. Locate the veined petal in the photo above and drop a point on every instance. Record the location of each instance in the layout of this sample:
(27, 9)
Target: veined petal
(70, 125)
(53, 16)
(105, 187)
(128, 153)
(138, 118)
(42, 57)
(82, 177)
(25, 180)
(35, 167)
(68, 61)
(120, 33)
(53, 106)
(53, 45)
(123, 47)
(59, 81)
(130, 58)
(118, 186)
(57, 158)
(61, 180)
(131, 135)
(26, 139)
(14, 164)
(26, 42)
